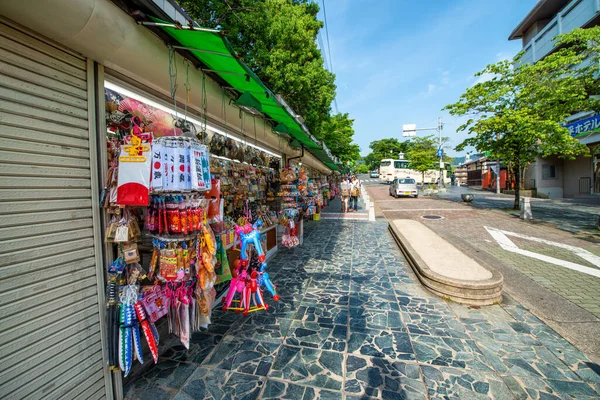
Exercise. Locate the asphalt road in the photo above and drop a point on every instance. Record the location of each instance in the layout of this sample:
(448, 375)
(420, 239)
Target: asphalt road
(366, 180)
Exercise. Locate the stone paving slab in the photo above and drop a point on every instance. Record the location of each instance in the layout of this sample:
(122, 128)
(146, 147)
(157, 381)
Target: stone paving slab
(565, 298)
(354, 323)
(569, 214)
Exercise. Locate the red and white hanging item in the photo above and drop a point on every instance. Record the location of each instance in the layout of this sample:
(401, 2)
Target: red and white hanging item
(180, 164)
(134, 172)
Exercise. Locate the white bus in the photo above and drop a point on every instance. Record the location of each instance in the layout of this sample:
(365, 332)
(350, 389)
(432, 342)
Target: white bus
(390, 168)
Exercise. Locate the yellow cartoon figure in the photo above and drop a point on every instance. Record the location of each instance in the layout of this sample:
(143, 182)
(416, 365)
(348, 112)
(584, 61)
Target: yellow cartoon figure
(134, 151)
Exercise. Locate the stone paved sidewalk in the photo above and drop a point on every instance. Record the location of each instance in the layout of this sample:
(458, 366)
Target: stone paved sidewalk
(333, 210)
(573, 215)
(354, 323)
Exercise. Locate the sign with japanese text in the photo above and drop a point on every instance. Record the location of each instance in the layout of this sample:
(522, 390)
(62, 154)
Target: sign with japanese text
(584, 126)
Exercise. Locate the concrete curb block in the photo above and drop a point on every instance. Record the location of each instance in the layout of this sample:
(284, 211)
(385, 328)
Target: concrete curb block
(478, 293)
(368, 203)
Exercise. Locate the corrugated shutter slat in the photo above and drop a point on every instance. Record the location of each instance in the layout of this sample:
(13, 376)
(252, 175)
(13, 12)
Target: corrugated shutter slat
(51, 330)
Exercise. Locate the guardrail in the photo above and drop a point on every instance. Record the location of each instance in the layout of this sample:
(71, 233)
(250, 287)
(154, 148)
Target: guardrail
(575, 15)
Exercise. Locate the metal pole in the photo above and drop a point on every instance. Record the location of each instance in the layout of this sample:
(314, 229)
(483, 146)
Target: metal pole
(498, 170)
(183, 27)
(440, 127)
(216, 53)
(498, 177)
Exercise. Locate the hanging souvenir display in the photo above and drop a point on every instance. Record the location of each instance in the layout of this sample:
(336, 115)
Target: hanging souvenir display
(179, 164)
(197, 205)
(134, 169)
(249, 276)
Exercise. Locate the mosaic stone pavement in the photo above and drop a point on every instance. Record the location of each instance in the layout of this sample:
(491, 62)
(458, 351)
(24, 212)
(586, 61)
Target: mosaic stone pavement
(354, 323)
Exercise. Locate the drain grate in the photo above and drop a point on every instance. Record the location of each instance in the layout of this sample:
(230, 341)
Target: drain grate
(432, 217)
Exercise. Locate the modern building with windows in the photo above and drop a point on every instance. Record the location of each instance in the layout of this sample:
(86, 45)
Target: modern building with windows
(554, 176)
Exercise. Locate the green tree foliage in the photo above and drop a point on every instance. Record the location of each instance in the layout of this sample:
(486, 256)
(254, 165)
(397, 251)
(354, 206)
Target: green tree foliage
(518, 115)
(371, 161)
(388, 148)
(337, 133)
(423, 153)
(277, 39)
(361, 169)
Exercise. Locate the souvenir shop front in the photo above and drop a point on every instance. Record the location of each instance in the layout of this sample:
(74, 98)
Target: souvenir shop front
(136, 195)
(193, 216)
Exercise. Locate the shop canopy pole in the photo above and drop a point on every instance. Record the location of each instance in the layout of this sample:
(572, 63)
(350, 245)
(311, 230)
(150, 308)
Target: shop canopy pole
(167, 25)
(224, 72)
(216, 53)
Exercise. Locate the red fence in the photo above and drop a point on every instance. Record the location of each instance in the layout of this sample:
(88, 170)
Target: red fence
(488, 180)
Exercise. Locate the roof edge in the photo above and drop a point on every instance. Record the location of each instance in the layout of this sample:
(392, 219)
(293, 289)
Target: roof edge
(533, 15)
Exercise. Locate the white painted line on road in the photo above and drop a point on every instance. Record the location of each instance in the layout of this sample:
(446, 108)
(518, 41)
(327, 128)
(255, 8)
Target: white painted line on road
(586, 255)
(502, 238)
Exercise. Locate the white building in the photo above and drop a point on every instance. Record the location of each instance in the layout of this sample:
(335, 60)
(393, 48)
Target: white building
(554, 176)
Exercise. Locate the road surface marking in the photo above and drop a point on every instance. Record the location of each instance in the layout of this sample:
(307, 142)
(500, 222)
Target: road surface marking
(502, 238)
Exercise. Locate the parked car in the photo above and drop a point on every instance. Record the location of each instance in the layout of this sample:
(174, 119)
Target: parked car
(404, 187)
(374, 174)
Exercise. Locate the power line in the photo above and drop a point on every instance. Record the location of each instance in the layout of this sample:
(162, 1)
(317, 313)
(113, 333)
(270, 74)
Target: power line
(327, 36)
(323, 51)
(329, 51)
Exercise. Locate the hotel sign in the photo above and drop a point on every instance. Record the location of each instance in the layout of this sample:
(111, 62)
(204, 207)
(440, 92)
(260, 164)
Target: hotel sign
(584, 126)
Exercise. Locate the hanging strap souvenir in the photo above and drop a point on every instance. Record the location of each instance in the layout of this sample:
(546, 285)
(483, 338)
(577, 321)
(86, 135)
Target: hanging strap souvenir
(148, 332)
(129, 334)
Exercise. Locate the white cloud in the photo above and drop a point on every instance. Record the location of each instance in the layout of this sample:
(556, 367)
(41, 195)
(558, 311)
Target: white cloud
(503, 57)
(445, 77)
(487, 76)
(431, 88)
(483, 78)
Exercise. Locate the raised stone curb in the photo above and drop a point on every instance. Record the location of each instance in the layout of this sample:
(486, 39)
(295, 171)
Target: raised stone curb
(485, 288)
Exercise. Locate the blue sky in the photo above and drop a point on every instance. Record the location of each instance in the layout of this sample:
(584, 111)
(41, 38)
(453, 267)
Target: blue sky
(401, 61)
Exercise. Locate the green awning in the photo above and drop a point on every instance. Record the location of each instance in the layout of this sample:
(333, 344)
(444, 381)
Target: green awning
(214, 50)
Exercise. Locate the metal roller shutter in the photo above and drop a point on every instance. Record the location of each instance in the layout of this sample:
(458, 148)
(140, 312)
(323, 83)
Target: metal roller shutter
(51, 331)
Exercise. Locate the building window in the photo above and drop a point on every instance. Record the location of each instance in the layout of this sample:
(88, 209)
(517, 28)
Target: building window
(548, 171)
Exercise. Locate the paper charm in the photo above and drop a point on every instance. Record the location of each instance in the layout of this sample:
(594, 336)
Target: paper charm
(134, 173)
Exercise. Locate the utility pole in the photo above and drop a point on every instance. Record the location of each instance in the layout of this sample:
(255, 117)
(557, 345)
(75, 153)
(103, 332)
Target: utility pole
(441, 152)
(498, 170)
(411, 130)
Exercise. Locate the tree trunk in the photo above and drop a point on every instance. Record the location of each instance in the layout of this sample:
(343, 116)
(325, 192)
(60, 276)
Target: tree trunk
(509, 178)
(517, 168)
(423, 181)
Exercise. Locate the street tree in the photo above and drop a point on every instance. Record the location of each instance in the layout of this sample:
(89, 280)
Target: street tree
(277, 39)
(518, 115)
(388, 148)
(337, 133)
(361, 169)
(422, 153)
(371, 161)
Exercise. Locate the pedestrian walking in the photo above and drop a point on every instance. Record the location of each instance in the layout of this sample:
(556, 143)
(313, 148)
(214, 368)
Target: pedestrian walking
(345, 193)
(354, 193)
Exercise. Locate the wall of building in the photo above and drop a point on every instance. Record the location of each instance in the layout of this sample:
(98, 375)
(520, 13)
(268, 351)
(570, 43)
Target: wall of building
(574, 170)
(534, 30)
(135, 52)
(547, 176)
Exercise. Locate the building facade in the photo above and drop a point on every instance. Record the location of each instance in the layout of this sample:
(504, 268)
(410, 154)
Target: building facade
(58, 60)
(553, 176)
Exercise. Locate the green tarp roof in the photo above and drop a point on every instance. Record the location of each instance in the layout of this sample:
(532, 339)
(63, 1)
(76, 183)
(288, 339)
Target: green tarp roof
(215, 51)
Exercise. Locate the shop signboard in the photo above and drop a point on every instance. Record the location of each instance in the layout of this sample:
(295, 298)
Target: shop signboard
(584, 126)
